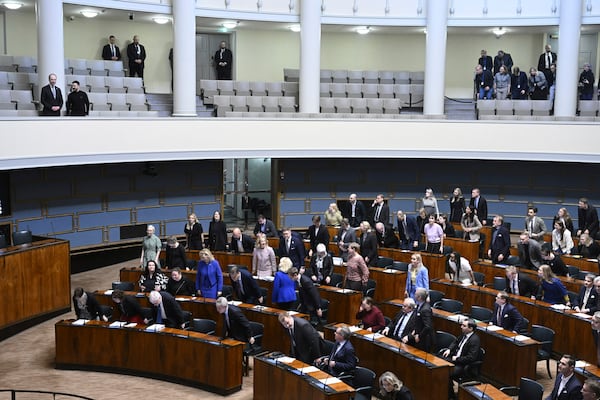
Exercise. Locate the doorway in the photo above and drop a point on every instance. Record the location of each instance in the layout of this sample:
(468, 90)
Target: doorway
(206, 46)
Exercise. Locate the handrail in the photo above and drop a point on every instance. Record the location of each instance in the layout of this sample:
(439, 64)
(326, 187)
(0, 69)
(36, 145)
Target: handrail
(54, 394)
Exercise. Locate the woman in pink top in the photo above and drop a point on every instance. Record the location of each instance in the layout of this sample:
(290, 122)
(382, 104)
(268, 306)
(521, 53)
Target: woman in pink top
(357, 273)
(263, 258)
(434, 235)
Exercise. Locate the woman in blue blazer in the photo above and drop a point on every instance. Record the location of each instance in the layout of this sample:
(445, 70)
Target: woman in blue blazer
(209, 278)
(417, 276)
(284, 288)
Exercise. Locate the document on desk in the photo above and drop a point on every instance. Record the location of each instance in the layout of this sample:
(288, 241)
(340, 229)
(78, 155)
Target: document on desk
(521, 338)
(108, 292)
(330, 380)
(581, 364)
(117, 324)
(293, 312)
(390, 271)
(583, 315)
(354, 328)
(286, 360)
(155, 328)
(235, 303)
(181, 299)
(344, 290)
(374, 336)
(308, 370)
(493, 328)
(561, 307)
(80, 322)
(456, 317)
(130, 325)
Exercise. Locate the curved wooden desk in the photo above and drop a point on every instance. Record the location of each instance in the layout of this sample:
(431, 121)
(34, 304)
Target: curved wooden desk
(179, 356)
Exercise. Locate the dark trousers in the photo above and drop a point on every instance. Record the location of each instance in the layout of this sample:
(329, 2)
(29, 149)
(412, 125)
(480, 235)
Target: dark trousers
(135, 68)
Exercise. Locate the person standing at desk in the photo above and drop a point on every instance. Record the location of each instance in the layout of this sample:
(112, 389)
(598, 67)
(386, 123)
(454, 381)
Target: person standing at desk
(263, 259)
(305, 340)
(152, 278)
(551, 289)
(193, 233)
(175, 254)
(284, 288)
(408, 231)
(345, 236)
(519, 284)
(240, 242)
(235, 323)
(530, 252)
(129, 307)
(209, 278)
(342, 359)
(506, 315)
(166, 310)
(459, 269)
(310, 301)
(317, 233)
(478, 203)
(566, 386)
(217, 233)
(368, 244)
(245, 287)
(151, 246)
(357, 272)
(355, 211)
(380, 212)
(417, 276)
(265, 226)
(51, 98)
(178, 285)
(434, 236)
(86, 306)
(500, 244)
(463, 352)
(321, 266)
(422, 336)
(136, 53)
(587, 300)
(291, 247)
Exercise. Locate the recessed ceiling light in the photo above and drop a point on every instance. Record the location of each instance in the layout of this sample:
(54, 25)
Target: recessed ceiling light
(12, 5)
(363, 30)
(161, 20)
(230, 24)
(295, 28)
(89, 13)
(499, 31)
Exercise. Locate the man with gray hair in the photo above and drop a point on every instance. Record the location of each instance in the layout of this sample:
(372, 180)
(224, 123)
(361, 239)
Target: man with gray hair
(403, 323)
(166, 310)
(422, 336)
(235, 323)
(342, 358)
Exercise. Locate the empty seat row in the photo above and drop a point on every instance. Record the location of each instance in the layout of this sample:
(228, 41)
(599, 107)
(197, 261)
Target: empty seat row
(18, 80)
(104, 84)
(359, 76)
(16, 100)
(254, 104)
(80, 66)
(238, 114)
(526, 117)
(125, 114)
(514, 107)
(210, 88)
(360, 105)
(372, 90)
(118, 102)
(588, 108)
(17, 63)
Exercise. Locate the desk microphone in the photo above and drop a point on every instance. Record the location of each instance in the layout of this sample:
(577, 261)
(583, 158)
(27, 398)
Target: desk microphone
(483, 392)
(325, 383)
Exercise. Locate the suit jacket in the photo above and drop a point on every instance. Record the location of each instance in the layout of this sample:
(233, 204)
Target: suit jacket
(360, 214)
(423, 327)
(345, 358)
(181, 288)
(132, 54)
(172, 311)
(470, 351)
(588, 219)
(507, 61)
(322, 236)
(48, 101)
(527, 287)
(327, 266)
(412, 233)
(239, 327)
(296, 252)
(511, 319)
(486, 62)
(269, 228)
(542, 61)
(92, 306)
(349, 237)
(408, 328)
(482, 210)
(247, 244)
(592, 301)
(533, 254)
(306, 343)
(368, 247)
(130, 308)
(107, 54)
(501, 245)
(388, 238)
(384, 215)
(251, 289)
(310, 300)
(539, 228)
(571, 391)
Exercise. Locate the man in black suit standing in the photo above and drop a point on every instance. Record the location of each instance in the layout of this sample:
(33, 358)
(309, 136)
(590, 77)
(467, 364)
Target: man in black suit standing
(235, 324)
(51, 98)
(245, 287)
(292, 247)
(423, 337)
(342, 358)
(566, 386)
(354, 211)
(463, 352)
(547, 58)
(408, 231)
(485, 61)
(530, 252)
(500, 245)
(265, 226)
(223, 62)
(479, 203)
(310, 301)
(368, 244)
(166, 310)
(317, 233)
(136, 53)
(519, 284)
(506, 315)
(403, 324)
(110, 51)
(588, 218)
(240, 242)
(305, 340)
(502, 59)
(380, 212)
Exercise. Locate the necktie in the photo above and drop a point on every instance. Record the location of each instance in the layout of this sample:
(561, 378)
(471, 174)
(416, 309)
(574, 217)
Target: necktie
(499, 316)
(291, 332)
(404, 227)
(53, 88)
(354, 210)
(377, 213)
(112, 49)
(397, 331)
(159, 318)
(227, 319)
(241, 286)
(460, 346)
(515, 288)
(287, 244)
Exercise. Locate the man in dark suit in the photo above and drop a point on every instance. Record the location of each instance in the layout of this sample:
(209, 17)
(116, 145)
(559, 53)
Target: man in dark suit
(245, 287)
(588, 218)
(240, 242)
(423, 336)
(368, 244)
(530, 252)
(587, 300)
(403, 324)
(500, 244)
(502, 59)
(479, 203)
(310, 301)
(345, 236)
(596, 333)
(265, 226)
(519, 284)
(506, 315)
(354, 211)
(317, 233)
(547, 58)
(223, 62)
(292, 247)
(51, 98)
(166, 310)
(305, 340)
(408, 231)
(342, 359)
(485, 61)
(235, 323)
(380, 212)
(111, 51)
(86, 306)
(463, 352)
(566, 386)
(136, 53)
(386, 237)
(321, 266)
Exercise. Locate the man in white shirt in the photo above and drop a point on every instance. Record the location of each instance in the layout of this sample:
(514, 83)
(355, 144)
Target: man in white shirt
(463, 352)
(566, 386)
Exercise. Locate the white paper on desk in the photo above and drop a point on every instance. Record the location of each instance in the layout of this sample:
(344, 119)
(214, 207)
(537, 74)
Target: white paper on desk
(337, 261)
(181, 299)
(268, 278)
(493, 328)
(108, 292)
(117, 324)
(581, 364)
(329, 381)
(292, 312)
(582, 315)
(390, 271)
(456, 317)
(308, 370)
(374, 336)
(155, 328)
(235, 303)
(354, 328)
(130, 325)
(286, 360)
(344, 290)
(559, 307)
(521, 338)
(80, 322)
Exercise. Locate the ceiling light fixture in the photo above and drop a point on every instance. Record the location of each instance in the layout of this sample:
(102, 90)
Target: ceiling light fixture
(12, 5)
(161, 20)
(295, 28)
(499, 32)
(230, 24)
(363, 30)
(89, 13)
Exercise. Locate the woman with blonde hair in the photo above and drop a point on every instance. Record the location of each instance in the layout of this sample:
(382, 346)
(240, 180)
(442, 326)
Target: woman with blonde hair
(333, 215)
(263, 258)
(284, 288)
(457, 205)
(430, 204)
(417, 276)
(209, 278)
(392, 388)
(193, 233)
(551, 288)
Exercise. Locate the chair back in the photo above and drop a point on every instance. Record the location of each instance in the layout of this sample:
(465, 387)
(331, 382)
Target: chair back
(258, 331)
(227, 292)
(400, 266)
(450, 305)
(21, 237)
(3, 243)
(481, 313)
(525, 329)
(202, 325)
(336, 278)
(324, 310)
(327, 347)
(543, 335)
(383, 262)
(124, 286)
(443, 340)
(363, 381)
(499, 283)
(530, 390)
(370, 289)
(479, 278)
(512, 260)
(573, 271)
(435, 296)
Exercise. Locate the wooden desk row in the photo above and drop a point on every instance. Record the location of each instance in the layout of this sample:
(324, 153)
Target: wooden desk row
(481, 391)
(275, 380)
(175, 355)
(573, 333)
(273, 337)
(498, 345)
(425, 374)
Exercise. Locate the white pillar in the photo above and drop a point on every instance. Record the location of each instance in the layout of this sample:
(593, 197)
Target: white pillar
(50, 44)
(310, 55)
(567, 70)
(184, 58)
(435, 57)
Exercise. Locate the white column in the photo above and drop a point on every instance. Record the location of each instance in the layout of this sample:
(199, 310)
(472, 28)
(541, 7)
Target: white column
(310, 55)
(50, 43)
(184, 58)
(567, 70)
(435, 57)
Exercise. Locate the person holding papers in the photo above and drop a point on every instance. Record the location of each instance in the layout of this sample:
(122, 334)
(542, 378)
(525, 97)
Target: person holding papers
(506, 315)
(342, 359)
(165, 310)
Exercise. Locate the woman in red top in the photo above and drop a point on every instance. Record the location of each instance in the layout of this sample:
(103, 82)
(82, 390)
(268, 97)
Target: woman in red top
(371, 316)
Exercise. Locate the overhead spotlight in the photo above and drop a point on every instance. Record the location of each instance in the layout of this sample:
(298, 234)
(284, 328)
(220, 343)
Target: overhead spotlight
(363, 30)
(295, 28)
(12, 5)
(499, 32)
(90, 13)
(161, 20)
(230, 24)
